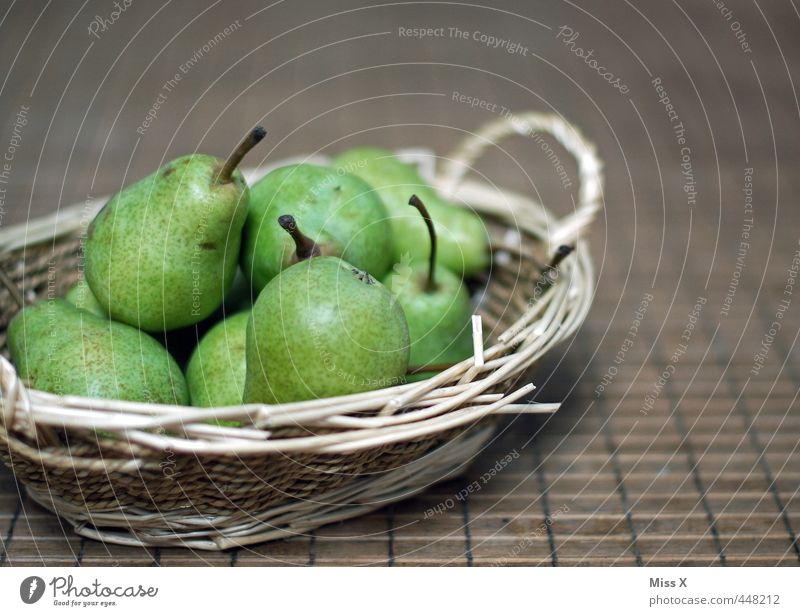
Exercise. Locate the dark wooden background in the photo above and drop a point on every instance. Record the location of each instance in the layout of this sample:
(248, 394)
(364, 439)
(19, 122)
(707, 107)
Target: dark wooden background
(710, 474)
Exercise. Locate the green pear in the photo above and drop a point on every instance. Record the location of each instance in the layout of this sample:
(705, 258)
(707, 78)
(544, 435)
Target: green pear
(342, 213)
(463, 238)
(436, 304)
(216, 370)
(163, 252)
(323, 328)
(68, 351)
(80, 296)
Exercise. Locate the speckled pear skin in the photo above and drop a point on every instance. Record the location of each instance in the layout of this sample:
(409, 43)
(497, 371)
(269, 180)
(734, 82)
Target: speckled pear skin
(439, 322)
(216, 370)
(63, 350)
(323, 328)
(339, 211)
(80, 296)
(463, 238)
(163, 252)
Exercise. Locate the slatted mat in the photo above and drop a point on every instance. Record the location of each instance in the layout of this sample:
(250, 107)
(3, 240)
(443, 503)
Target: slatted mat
(700, 468)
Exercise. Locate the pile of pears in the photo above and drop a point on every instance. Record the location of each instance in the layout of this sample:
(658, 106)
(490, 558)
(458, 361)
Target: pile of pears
(317, 281)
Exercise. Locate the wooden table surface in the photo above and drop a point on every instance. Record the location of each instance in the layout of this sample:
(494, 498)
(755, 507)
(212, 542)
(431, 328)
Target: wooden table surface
(678, 439)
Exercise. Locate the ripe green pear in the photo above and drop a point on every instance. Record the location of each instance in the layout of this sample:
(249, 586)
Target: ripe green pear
(323, 328)
(343, 215)
(80, 296)
(163, 252)
(436, 304)
(68, 351)
(216, 370)
(463, 238)
(439, 322)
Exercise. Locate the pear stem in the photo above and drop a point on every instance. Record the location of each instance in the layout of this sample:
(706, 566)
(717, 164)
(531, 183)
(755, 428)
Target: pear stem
(561, 253)
(304, 246)
(414, 201)
(254, 136)
(550, 271)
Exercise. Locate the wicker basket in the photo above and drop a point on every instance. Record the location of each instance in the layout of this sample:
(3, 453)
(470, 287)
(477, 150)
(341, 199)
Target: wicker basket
(169, 478)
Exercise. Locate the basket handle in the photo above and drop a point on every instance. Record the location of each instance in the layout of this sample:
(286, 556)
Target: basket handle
(529, 124)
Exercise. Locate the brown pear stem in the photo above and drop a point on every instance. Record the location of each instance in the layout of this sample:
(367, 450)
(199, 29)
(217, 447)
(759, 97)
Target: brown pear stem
(430, 284)
(550, 271)
(561, 253)
(254, 136)
(304, 246)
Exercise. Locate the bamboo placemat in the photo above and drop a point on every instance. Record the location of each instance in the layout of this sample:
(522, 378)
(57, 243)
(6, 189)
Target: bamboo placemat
(708, 477)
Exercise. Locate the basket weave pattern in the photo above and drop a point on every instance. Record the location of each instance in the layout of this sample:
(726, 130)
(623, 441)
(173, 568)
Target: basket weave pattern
(170, 478)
